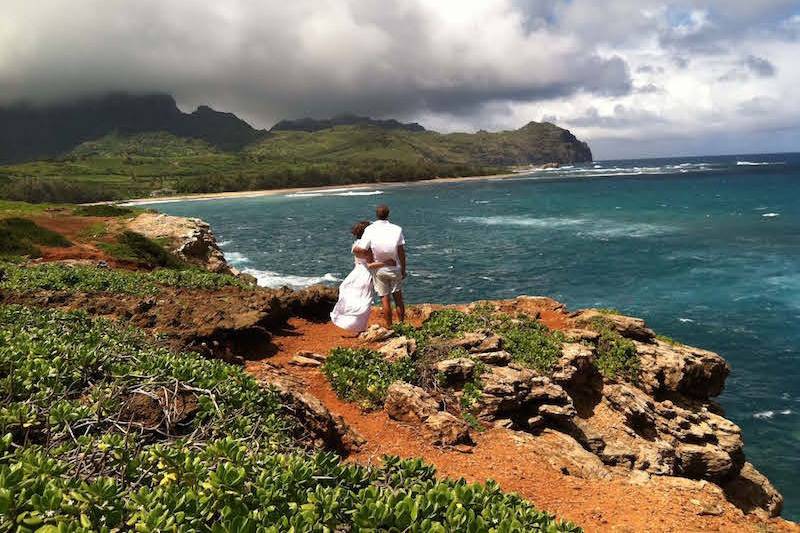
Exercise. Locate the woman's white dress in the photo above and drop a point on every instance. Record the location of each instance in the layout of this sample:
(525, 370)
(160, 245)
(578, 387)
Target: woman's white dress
(355, 298)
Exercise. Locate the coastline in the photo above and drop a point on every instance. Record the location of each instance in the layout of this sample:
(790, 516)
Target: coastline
(295, 190)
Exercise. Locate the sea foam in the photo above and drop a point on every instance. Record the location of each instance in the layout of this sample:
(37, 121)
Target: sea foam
(267, 278)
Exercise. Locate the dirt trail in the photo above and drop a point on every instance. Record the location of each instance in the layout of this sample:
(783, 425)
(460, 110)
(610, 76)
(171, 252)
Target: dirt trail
(514, 461)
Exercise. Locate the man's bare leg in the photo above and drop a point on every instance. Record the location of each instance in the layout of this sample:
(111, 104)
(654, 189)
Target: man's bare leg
(386, 302)
(401, 307)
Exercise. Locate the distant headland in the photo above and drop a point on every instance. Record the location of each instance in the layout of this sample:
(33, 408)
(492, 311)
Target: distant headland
(119, 146)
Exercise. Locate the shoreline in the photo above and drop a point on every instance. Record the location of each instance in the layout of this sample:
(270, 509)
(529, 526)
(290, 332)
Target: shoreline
(299, 190)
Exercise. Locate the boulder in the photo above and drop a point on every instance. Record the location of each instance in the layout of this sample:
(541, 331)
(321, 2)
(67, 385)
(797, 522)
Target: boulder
(499, 358)
(751, 491)
(544, 391)
(311, 355)
(667, 368)
(627, 326)
(705, 461)
(299, 360)
(408, 403)
(456, 370)
(375, 333)
(447, 429)
(581, 335)
(398, 349)
(191, 239)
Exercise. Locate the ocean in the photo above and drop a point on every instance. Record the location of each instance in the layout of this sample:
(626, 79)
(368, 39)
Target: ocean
(705, 249)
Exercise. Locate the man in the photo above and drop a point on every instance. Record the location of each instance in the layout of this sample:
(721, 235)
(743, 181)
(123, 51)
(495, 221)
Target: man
(387, 244)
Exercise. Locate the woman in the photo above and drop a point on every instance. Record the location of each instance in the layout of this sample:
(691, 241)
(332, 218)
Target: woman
(356, 291)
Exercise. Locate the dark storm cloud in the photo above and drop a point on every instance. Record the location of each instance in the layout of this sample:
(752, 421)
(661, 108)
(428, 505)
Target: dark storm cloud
(270, 60)
(632, 66)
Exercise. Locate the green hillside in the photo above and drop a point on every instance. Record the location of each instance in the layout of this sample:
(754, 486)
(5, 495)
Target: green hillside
(118, 166)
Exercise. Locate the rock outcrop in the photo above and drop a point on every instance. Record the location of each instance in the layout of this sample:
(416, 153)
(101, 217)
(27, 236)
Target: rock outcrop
(191, 239)
(661, 422)
(230, 323)
(322, 428)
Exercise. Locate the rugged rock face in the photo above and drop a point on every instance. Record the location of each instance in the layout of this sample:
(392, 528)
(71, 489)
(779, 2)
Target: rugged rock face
(663, 422)
(323, 428)
(191, 239)
(229, 323)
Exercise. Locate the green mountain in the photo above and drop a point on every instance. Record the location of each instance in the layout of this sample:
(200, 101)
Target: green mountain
(29, 132)
(124, 146)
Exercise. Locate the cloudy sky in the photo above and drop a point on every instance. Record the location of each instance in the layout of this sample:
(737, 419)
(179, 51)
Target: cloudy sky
(633, 77)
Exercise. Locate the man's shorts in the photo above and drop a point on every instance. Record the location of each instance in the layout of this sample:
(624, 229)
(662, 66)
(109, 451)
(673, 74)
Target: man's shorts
(387, 280)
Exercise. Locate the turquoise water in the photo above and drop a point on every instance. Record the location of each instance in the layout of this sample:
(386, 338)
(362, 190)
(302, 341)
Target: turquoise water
(707, 250)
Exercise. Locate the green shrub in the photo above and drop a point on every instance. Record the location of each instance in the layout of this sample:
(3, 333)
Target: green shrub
(450, 323)
(58, 277)
(67, 374)
(616, 355)
(137, 248)
(69, 463)
(668, 340)
(103, 210)
(529, 342)
(19, 236)
(362, 376)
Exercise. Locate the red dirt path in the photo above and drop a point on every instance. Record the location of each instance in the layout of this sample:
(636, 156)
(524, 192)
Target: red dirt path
(596, 505)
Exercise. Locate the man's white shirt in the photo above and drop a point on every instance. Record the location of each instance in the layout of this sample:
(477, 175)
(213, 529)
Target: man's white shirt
(383, 238)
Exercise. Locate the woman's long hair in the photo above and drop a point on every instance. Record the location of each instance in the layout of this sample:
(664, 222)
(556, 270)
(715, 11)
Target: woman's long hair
(358, 228)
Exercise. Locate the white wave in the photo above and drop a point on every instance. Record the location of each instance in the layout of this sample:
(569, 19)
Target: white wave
(304, 195)
(605, 230)
(333, 192)
(596, 229)
(271, 279)
(758, 163)
(770, 215)
(354, 193)
(481, 201)
(685, 320)
(765, 415)
(236, 258)
(223, 243)
(546, 222)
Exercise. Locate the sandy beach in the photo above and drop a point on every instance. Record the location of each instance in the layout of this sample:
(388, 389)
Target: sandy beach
(300, 190)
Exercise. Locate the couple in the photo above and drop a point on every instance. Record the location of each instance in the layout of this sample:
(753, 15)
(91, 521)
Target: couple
(380, 257)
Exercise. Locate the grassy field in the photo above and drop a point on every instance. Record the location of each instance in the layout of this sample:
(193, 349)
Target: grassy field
(118, 167)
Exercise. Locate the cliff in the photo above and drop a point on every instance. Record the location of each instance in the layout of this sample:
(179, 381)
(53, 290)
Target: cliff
(586, 413)
(624, 401)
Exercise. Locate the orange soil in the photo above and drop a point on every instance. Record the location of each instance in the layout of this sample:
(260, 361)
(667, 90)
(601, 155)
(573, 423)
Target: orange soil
(596, 505)
(72, 227)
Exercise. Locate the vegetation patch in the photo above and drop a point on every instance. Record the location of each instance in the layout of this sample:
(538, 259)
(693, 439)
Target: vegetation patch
(20, 236)
(362, 376)
(57, 277)
(616, 356)
(136, 248)
(71, 461)
(530, 343)
(668, 340)
(103, 210)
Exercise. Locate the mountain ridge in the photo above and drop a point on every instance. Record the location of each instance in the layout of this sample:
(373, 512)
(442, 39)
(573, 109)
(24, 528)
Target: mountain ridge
(29, 133)
(123, 146)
